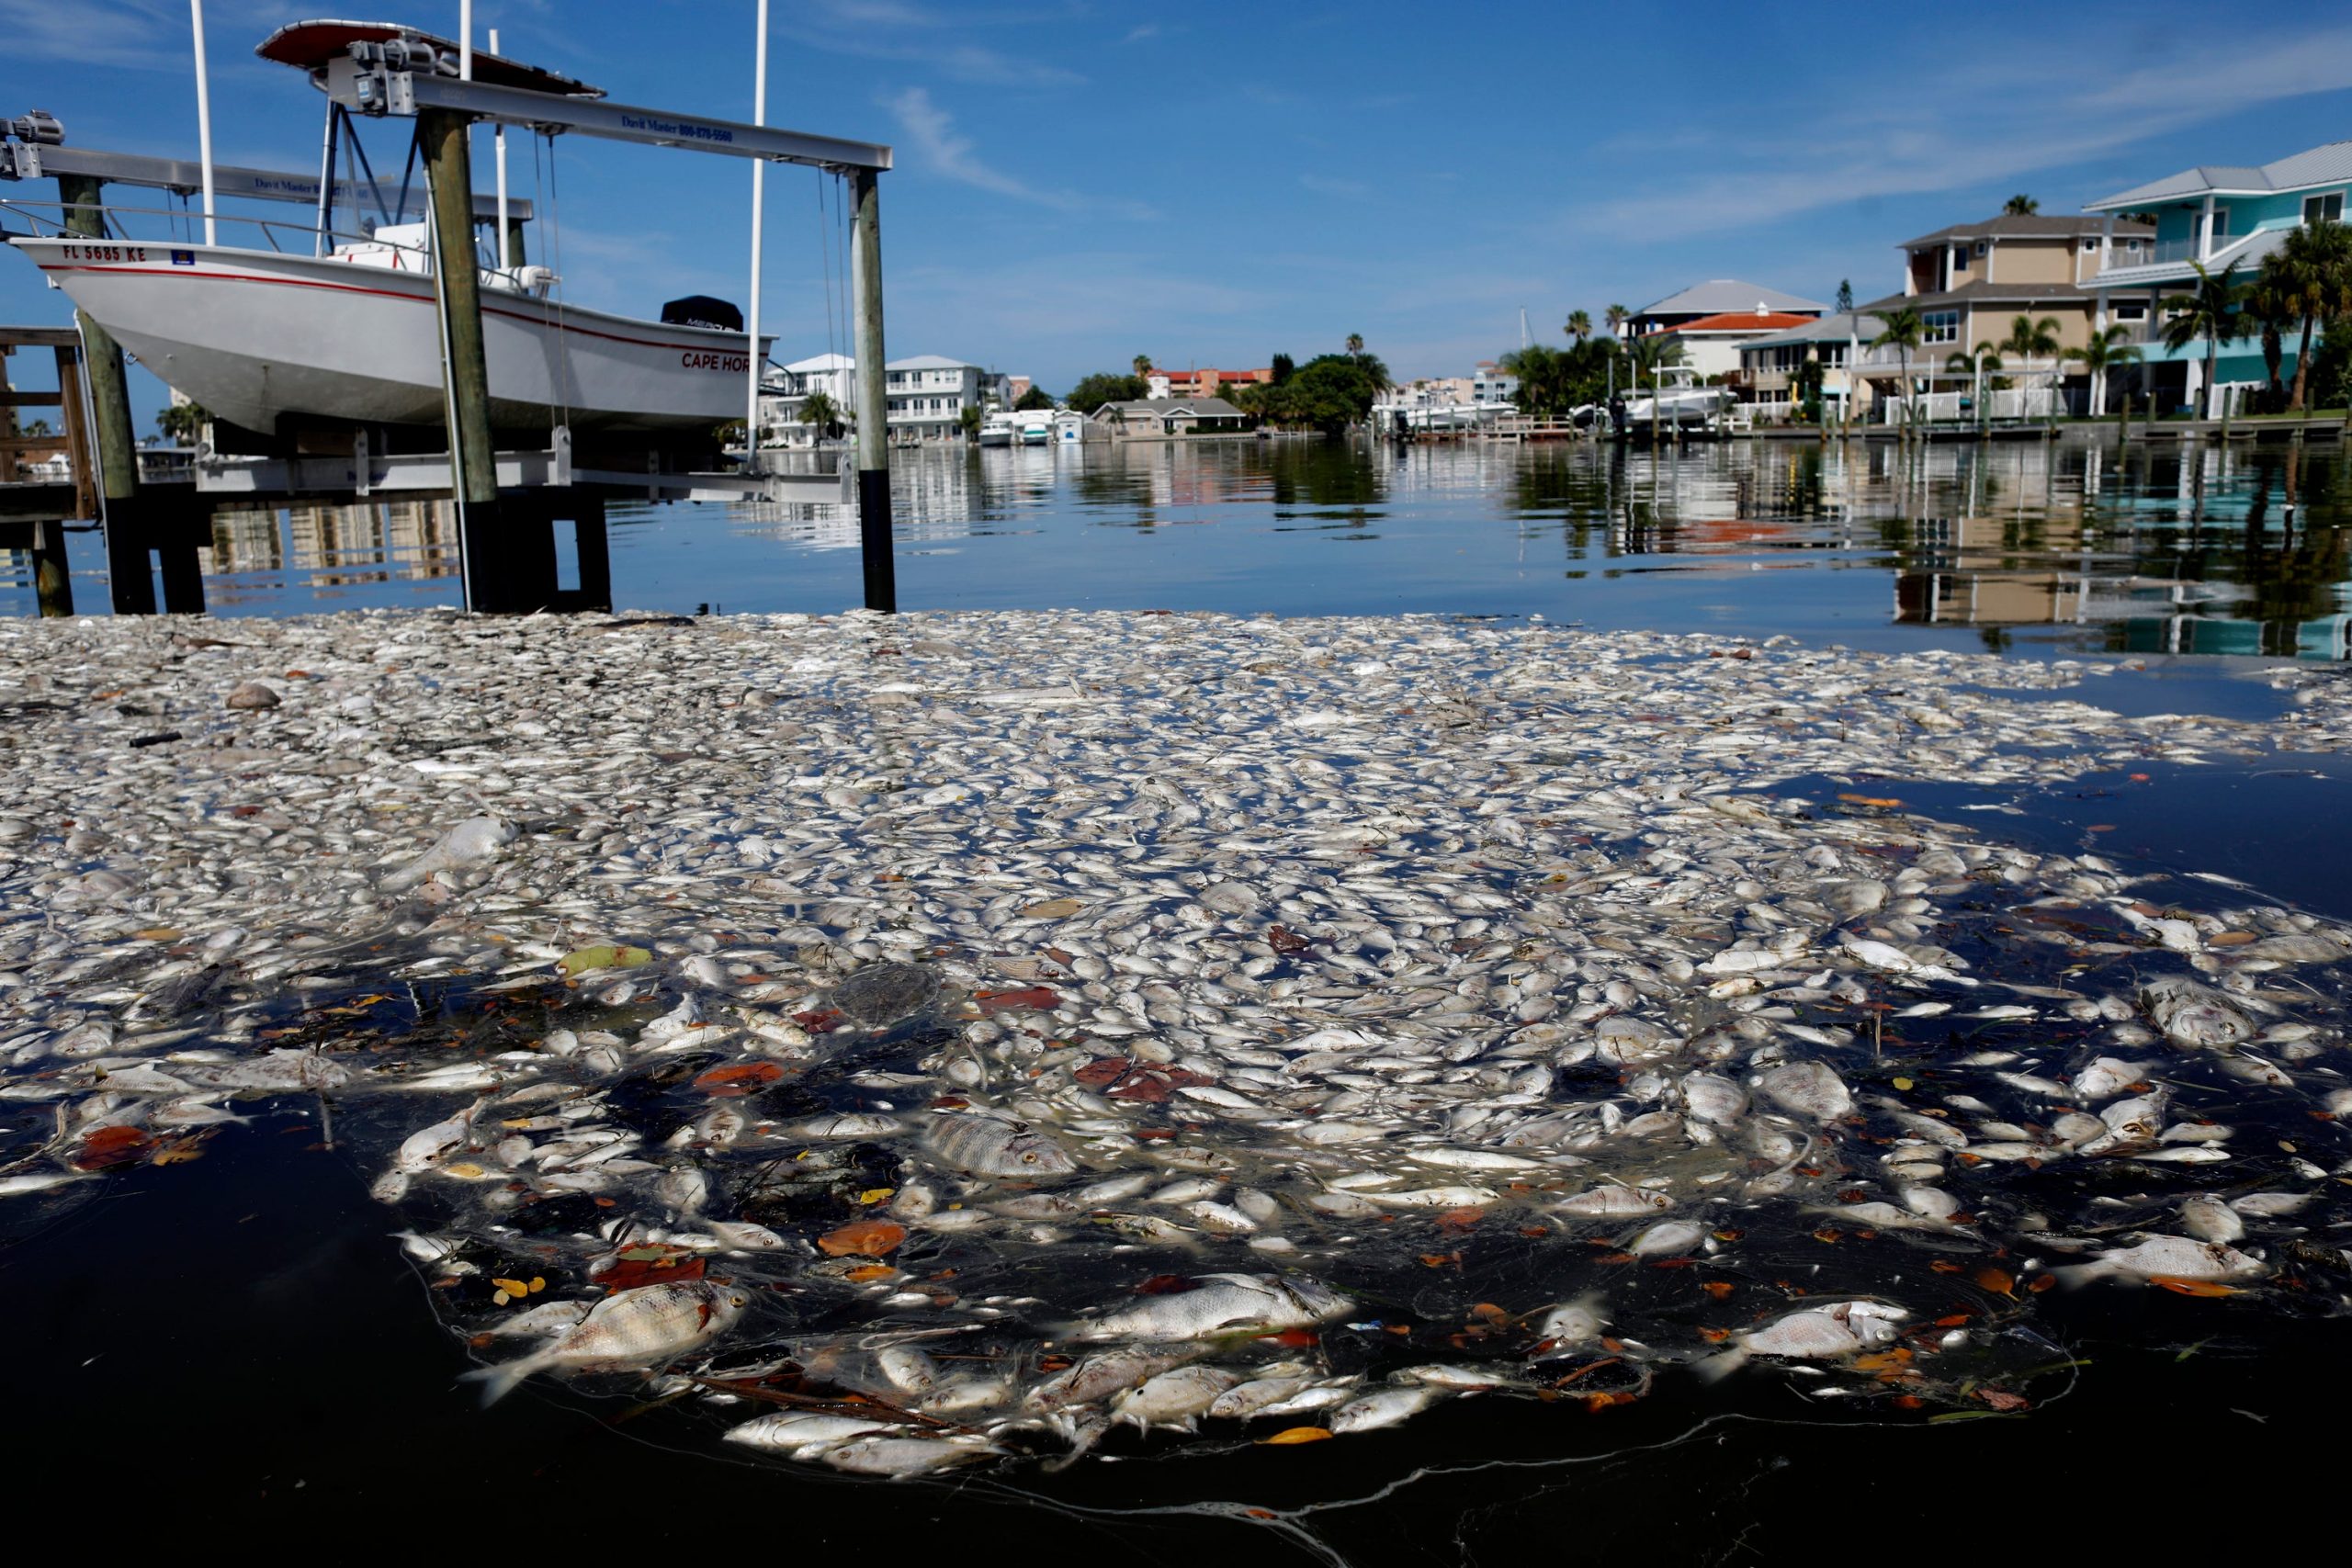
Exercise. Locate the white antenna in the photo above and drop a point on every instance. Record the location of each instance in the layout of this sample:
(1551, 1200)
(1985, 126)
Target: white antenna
(499, 137)
(759, 195)
(203, 119)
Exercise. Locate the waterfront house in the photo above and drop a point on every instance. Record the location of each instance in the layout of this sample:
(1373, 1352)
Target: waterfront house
(1201, 381)
(1769, 366)
(1970, 282)
(1148, 419)
(928, 395)
(1715, 298)
(1710, 345)
(2215, 215)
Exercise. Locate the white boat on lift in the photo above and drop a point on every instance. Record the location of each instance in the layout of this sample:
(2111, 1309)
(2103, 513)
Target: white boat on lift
(259, 334)
(1679, 400)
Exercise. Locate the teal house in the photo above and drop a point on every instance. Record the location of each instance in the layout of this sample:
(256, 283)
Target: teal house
(2216, 216)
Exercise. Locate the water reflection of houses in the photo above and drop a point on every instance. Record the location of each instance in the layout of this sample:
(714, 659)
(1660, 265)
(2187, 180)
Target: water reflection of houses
(338, 545)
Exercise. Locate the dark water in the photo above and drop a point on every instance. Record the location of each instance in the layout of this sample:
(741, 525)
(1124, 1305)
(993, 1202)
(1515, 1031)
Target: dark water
(233, 1348)
(2015, 548)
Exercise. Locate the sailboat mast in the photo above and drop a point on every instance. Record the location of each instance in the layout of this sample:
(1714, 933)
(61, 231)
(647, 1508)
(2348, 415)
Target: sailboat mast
(203, 119)
(759, 196)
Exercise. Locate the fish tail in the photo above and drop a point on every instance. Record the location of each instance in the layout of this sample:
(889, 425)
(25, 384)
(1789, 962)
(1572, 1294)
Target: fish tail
(1714, 1369)
(2075, 1275)
(502, 1379)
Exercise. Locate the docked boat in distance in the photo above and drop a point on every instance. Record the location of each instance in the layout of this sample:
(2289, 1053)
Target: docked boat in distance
(257, 334)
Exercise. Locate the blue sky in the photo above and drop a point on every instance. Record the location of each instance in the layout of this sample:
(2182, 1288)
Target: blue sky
(1079, 181)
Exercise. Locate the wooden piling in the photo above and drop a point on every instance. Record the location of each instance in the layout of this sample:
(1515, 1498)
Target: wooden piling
(465, 372)
(873, 394)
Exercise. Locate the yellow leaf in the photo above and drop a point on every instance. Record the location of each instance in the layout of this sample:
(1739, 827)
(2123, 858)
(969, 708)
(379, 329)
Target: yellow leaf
(1296, 1435)
(1052, 909)
(511, 1287)
(876, 1194)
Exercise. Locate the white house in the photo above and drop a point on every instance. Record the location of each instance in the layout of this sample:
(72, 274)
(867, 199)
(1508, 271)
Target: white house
(928, 395)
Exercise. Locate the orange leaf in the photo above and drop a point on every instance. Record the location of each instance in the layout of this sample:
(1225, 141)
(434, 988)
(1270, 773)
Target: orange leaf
(1294, 1434)
(868, 1238)
(2193, 1287)
(738, 1078)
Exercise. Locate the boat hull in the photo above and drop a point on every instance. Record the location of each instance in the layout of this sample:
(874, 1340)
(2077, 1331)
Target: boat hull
(253, 336)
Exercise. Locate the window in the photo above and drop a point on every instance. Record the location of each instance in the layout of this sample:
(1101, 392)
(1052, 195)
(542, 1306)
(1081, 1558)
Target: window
(1943, 326)
(2328, 209)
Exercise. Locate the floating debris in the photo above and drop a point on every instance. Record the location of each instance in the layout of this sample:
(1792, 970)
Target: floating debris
(960, 1039)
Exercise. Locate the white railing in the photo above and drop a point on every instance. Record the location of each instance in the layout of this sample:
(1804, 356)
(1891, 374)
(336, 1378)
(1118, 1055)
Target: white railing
(1933, 408)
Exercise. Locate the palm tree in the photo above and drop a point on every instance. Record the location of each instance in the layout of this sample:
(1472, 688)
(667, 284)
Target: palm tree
(2269, 304)
(2209, 311)
(2314, 262)
(1579, 326)
(1355, 344)
(2020, 205)
(2032, 339)
(818, 410)
(2109, 350)
(1902, 330)
(1976, 364)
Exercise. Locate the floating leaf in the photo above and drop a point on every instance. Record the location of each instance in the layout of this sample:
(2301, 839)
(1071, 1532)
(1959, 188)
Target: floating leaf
(602, 955)
(1292, 1436)
(737, 1079)
(1052, 909)
(1029, 998)
(862, 1238)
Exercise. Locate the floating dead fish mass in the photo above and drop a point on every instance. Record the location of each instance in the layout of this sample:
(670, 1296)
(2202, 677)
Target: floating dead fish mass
(944, 1040)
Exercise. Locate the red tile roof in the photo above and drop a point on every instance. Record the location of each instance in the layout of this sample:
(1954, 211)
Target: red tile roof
(1743, 322)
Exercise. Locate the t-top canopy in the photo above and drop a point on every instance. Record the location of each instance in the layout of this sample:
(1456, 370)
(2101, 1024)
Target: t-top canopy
(311, 45)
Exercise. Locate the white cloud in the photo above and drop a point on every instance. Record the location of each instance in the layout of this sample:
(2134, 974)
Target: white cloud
(931, 131)
(2021, 114)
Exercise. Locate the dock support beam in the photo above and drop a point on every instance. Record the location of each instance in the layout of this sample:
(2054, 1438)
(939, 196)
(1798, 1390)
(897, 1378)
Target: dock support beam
(464, 374)
(873, 394)
(130, 578)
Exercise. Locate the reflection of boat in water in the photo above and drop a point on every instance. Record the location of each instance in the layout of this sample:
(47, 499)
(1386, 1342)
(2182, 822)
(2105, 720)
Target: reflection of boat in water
(350, 332)
(996, 429)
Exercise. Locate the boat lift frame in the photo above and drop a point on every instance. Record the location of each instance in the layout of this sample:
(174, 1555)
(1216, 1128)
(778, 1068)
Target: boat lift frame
(373, 80)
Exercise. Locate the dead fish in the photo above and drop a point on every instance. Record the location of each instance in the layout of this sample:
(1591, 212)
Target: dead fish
(985, 1144)
(1221, 1304)
(1832, 1329)
(634, 1328)
(2166, 1257)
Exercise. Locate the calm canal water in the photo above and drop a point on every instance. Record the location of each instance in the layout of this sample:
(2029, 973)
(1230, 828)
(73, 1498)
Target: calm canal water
(2015, 548)
(284, 1375)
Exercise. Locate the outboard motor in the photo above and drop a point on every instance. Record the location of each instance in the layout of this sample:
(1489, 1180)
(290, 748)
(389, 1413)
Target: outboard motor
(702, 311)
